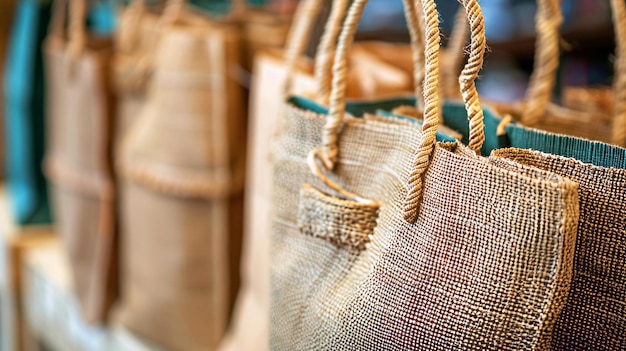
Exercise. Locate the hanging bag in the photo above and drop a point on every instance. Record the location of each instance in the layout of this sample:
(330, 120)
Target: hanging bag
(78, 159)
(273, 69)
(181, 181)
(592, 317)
(440, 249)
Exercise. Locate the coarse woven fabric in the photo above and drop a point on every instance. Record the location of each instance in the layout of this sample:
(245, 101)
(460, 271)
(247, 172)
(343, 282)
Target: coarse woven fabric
(78, 167)
(593, 318)
(486, 265)
(181, 168)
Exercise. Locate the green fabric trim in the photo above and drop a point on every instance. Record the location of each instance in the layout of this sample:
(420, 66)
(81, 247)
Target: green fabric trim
(594, 152)
(440, 136)
(455, 117)
(356, 108)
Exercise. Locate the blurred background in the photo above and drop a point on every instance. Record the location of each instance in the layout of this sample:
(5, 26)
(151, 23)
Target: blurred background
(37, 307)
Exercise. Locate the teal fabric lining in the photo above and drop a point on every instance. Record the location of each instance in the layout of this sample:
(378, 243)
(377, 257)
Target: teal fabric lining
(593, 152)
(455, 117)
(357, 109)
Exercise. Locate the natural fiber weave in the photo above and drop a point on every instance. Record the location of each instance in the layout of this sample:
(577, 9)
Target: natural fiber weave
(342, 222)
(593, 318)
(481, 268)
(464, 261)
(181, 166)
(78, 157)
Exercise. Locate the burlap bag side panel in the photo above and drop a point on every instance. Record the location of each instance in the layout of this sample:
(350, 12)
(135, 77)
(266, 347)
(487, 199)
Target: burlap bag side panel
(480, 269)
(593, 317)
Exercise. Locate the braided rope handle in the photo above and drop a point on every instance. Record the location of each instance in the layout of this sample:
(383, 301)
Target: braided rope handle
(619, 84)
(543, 78)
(455, 54)
(470, 73)
(298, 38)
(432, 110)
(337, 110)
(432, 106)
(413, 20)
(326, 50)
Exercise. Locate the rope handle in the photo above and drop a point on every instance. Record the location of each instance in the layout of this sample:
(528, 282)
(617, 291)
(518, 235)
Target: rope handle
(455, 54)
(432, 110)
(328, 153)
(298, 37)
(326, 49)
(549, 18)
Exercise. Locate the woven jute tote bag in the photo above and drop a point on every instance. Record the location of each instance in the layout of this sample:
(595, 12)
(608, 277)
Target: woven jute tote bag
(249, 329)
(78, 161)
(523, 124)
(539, 112)
(439, 250)
(181, 179)
(592, 318)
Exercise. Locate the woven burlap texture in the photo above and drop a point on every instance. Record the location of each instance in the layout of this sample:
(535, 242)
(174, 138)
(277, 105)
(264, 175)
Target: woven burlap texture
(480, 269)
(593, 317)
(181, 177)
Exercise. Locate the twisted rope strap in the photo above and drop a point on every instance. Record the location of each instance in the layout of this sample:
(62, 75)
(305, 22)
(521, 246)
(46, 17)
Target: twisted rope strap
(549, 19)
(413, 19)
(470, 73)
(326, 50)
(455, 54)
(619, 85)
(297, 41)
(330, 150)
(432, 112)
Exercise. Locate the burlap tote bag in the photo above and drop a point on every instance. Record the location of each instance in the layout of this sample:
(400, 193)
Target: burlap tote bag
(181, 169)
(522, 124)
(537, 111)
(440, 249)
(78, 160)
(250, 327)
(593, 315)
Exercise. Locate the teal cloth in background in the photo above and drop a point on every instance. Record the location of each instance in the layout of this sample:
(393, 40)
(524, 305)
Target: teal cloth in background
(24, 104)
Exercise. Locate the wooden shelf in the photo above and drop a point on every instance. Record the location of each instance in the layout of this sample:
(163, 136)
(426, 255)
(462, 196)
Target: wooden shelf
(52, 311)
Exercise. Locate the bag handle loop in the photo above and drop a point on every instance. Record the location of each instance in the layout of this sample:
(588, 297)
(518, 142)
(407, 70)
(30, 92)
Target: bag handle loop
(549, 18)
(432, 111)
(328, 152)
(455, 54)
(543, 77)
